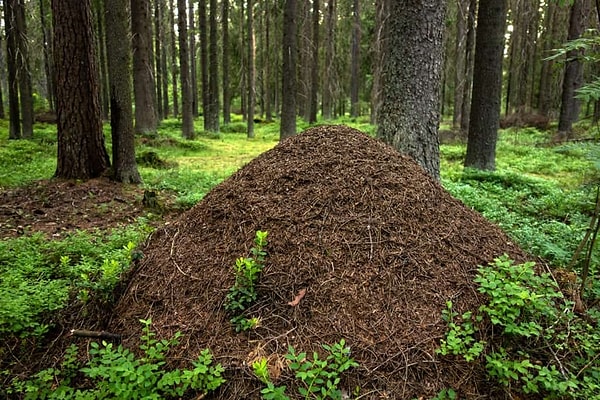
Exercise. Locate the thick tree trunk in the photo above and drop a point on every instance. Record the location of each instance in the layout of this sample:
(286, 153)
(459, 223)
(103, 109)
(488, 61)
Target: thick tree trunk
(104, 92)
(144, 86)
(81, 151)
(487, 85)
(212, 116)
(355, 62)
(409, 115)
(187, 126)
(119, 72)
(573, 78)
(288, 92)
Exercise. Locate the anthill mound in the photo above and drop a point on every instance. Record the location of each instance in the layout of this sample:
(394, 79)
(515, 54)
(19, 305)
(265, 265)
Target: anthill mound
(377, 244)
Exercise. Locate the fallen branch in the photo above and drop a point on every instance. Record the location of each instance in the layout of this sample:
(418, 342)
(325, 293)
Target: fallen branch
(96, 334)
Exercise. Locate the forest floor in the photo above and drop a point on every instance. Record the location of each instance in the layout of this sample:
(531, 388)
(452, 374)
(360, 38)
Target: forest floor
(56, 207)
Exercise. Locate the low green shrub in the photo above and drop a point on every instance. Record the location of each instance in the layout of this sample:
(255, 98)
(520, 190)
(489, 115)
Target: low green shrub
(540, 345)
(117, 373)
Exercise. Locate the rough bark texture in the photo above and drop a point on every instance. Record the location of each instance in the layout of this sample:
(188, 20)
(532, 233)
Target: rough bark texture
(225, 48)
(328, 85)
(469, 65)
(487, 85)
(193, 64)
(355, 62)
(119, 72)
(187, 126)
(314, 74)
(24, 74)
(573, 78)
(144, 86)
(47, 45)
(174, 63)
(251, 74)
(14, 126)
(212, 116)
(81, 151)
(409, 114)
(160, 110)
(289, 56)
(462, 15)
(98, 11)
(202, 20)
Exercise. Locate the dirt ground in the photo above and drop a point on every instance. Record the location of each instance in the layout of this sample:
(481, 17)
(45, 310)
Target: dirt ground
(56, 207)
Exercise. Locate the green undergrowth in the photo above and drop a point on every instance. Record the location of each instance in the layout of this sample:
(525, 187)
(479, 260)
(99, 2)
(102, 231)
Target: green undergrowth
(40, 276)
(540, 345)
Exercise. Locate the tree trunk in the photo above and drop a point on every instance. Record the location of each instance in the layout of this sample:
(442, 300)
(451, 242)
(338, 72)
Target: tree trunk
(24, 74)
(14, 127)
(48, 67)
(381, 13)
(158, 50)
(144, 86)
(469, 61)
(174, 63)
(487, 85)
(212, 116)
(226, 72)
(355, 63)
(573, 78)
(104, 92)
(81, 151)
(314, 78)
(193, 64)
(187, 126)
(163, 58)
(409, 115)
(328, 81)
(203, 58)
(462, 15)
(251, 84)
(124, 168)
(288, 92)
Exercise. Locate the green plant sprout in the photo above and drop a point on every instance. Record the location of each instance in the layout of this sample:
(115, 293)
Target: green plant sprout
(243, 293)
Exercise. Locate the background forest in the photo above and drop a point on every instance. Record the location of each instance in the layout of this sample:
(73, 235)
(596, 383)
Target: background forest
(183, 93)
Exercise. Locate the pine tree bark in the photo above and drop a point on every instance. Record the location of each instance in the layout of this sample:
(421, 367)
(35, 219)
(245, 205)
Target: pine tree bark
(124, 168)
(462, 15)
(573, 77)
(289, 56)
(409, 115)
(187, 126)
(14, 126)
(487, 85)
(225, 64)
(48, 67)
(81, 151)
(174, 61)
(355, 62)
(314, 77)
(193, 64)
(469, 65)
(330, 55)
(144, 86)
(212, 116)
(202, 22)
(24, 73)
(158, 50)
(251, 74)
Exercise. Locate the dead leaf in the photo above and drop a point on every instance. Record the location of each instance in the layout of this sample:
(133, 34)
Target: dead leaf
(298, 297)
